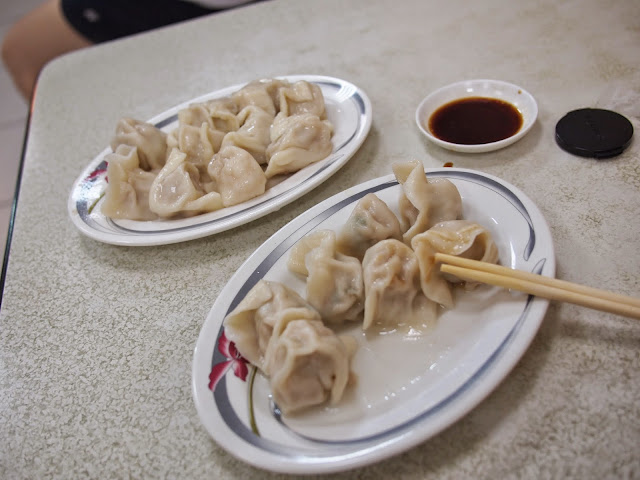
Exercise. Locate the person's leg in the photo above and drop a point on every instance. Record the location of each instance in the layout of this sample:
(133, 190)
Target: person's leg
(36, 39)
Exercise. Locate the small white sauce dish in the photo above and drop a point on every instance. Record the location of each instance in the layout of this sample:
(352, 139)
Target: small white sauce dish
(507, 92)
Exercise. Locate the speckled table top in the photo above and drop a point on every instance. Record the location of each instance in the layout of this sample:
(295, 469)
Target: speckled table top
(96, 341)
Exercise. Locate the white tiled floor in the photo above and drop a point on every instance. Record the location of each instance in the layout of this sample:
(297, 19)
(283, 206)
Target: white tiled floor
(13, 117)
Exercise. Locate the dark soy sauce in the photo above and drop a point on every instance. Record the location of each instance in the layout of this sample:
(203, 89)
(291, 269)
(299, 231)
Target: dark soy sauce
(475, 120)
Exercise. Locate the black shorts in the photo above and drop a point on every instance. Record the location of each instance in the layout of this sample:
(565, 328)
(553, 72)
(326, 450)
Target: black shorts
(104, 20)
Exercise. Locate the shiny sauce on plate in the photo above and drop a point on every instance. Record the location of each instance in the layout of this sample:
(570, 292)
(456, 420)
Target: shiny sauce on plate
(475, 120)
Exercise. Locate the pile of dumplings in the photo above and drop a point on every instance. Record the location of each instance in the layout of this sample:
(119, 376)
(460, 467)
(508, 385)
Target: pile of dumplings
(222, 153)
(378, 270)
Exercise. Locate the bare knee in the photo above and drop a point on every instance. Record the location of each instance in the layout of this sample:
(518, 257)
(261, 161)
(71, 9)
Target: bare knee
(22, 71)
(7, 50)
(33, 41)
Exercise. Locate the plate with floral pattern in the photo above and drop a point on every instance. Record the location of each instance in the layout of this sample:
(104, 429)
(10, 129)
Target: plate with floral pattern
(409, 387)
(348, 109)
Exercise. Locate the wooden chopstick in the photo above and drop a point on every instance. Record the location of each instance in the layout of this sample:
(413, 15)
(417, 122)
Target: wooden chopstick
(539, 285)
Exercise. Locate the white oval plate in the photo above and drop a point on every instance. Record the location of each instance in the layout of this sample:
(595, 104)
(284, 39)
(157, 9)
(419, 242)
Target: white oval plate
(407, 390)
(508, 92)
(348, 108)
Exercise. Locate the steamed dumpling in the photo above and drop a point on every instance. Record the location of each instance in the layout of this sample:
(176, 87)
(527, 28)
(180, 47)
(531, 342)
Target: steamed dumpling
(237, 175)
(310, 365)
(195, 115)
(198, 143)
(128, 194)
(223, 114)
(334, 284)
(260, 93)
(254, 134)
(219, 114)
(262, 315)
(297, 141)
(321, 241)
(202, 127)
(178, 189)
(370, 222)
(461, 238)
(302, 97)
(393, 297)
(149, 140)
(423, 203)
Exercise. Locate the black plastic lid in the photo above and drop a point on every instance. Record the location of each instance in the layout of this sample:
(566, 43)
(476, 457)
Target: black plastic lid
(593, 132)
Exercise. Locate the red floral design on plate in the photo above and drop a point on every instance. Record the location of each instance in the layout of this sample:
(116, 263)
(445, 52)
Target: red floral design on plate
(95, 174)
(235, 361)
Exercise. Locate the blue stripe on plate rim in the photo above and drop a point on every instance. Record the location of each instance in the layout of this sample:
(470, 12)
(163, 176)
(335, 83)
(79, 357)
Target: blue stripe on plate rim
(84, 204)
(333, 448)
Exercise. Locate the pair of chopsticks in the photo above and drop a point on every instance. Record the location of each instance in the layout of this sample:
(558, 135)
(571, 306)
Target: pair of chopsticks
(539, 285)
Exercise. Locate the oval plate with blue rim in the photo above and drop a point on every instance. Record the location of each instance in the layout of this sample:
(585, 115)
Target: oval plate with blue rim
(348, 109)
(408, 388)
